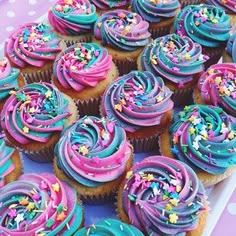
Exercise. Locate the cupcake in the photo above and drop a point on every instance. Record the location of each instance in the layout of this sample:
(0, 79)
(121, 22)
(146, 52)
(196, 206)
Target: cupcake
(217, 86)
(161, 196)
(39, 205)
(109, 227)
(204, 137)
(140, 103)
(83, 71)
(229, 54)
(34, 116)
(32, 48)
(124, 34)
(159, 14)
(10, 163)
(93, 155)
(108, 5)
(207, 25)
(227, 6)
(10, 79)
(178, 60)
(73, 20)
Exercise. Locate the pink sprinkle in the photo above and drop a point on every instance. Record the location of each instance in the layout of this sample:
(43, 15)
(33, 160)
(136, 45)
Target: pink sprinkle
(175, 69)
(110, 127)
(119, 22)
(96, 53)
(174, 59)
(43, 185)
(206, 57)
(36, 196)
(30, 120)
(12, 213)
(83, 49)
(96, 159)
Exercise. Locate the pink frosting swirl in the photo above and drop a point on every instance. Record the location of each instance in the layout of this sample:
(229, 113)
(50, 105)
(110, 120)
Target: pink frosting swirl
(82, 65)
(39, 205)
(32, 44)
(34, 113)
(218, 86)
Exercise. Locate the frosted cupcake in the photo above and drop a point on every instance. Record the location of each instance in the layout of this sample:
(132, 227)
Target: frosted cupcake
(109, 227)
(140, 103)
(93, 155)
(178, 60)
(228, 6)
(204, 137)
(10, 163)
(34, 116)
(159, 14)
(10, 79)
(161, 196)
(124, 34)
(207, 25)
(39, 205)
(32, 48)
(83, 71)
(217, 86)
(73, 20)
(229, 54)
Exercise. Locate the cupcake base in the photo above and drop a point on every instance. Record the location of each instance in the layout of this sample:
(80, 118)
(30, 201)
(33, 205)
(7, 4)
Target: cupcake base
(102, 193)
(207, 179)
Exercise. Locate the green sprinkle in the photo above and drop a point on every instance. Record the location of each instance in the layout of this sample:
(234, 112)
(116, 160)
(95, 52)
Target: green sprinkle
(49, 223)
(132, 197)
(59, 208)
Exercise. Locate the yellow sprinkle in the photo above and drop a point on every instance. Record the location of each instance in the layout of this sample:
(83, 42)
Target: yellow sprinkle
(48, 94)
(191, 130)
(73, 68)
(164, 197)
(99, 25)
(129, 173)
(159, 98)
(173, 218)
(30, 206)
(26, 130)
(83, 150)
(153, 61)
(178, 188)
(32, 110)
(56, 187)
(187, 56)
(218, 80)
(231, 135)
(149, 177)
(215, 21)
(118, 107)
(168, 207)
(174, 201)
(12, 92)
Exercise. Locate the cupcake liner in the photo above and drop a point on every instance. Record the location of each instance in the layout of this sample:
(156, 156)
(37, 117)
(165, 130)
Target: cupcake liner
(42, 156)
(125, 67)
(184, 3)
(158, 32)
(88, 107)
(38, 76)
(83, 39)
(182, 96)
(145, 144)
(214, 54)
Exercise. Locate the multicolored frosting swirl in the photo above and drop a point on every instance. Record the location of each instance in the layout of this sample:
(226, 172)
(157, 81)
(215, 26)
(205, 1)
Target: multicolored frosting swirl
(227, 5)
(137, 100)
(109, 4)
(6, 164)
(155, 11)
(82, 65)
(39, 205)
(217, 87)
(72, 17)
(34, 113)
(204, 24)
(162, 196)
(32, 44)
(204, 137)
(122, 29)
(8, 78)
(109, 227)
(177, 59)
(231, 47)
(93, 151)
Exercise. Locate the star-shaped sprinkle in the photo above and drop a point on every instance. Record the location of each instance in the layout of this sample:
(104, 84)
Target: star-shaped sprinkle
(56, 187)
(174, 202)
(129, 174)
(24, 201)
(19, 218)
(25, 129)
(187, 56)
(48, 94)
(12, 213)
(30, 206)
(61, 216)
(32, 110)
(49, 223)
(159, 98)
(118, 107)
(83, 150)
(168, 207)
(191, 130)
(173, 218)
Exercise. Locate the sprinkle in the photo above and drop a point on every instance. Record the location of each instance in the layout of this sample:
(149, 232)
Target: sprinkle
(159, 98)
(61, 216)
(30, 206)
(187, 56)
(178, 188)
(12, 213)
(168, 207)
(56, 187)
(48, 94)
(83, 150)
(24, 201)
(25, 129)
(118, 107)
(49, 223)
(19, 218)
(174, 202)
(129, 174)
(132, 197)
(173, 218)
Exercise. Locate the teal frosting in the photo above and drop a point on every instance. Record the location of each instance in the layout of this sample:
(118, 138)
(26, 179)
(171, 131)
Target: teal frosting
(204, 24)
(205, 138)
(109, 227)
(72, 18)
(6, 164)
(93, 151)
(231, 47)
(39, 204)
(34, 112)
(177, 59)
(155, 12)
(122, 29)
(8, 78)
